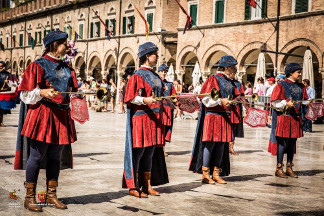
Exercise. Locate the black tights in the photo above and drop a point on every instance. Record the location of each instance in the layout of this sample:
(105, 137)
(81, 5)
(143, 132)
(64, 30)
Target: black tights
(288, 145)
(37, 152)
(218, 153)
(143, 157)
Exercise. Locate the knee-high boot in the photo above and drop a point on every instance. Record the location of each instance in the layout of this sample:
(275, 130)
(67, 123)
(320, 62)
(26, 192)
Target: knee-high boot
(51, 197)
(30, 200)
(205, 178)
(147, 185)
(216, 176)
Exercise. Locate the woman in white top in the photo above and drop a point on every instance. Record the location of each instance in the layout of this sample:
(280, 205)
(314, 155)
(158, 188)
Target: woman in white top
(104, 84)
(113, 89)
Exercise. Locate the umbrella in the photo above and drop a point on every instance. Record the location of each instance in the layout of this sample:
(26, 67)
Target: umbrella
(196, 74)
(261, 68)
(308, 68)
(170, 74)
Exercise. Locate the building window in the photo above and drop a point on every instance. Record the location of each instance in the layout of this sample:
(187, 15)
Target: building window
(46, 31)
(149, 19)
(256, 13)
(301, 6)
(29, 38)
(194, 13)
(80, 32)
(111, 25)
(13, 41)
(219, 11)
(128, 25)
(95, 29)
(21, 39)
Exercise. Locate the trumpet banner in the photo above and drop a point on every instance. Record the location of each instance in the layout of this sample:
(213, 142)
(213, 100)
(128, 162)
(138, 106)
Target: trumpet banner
(315, 110)
(79, 110)
(188, 103)
(256, 117)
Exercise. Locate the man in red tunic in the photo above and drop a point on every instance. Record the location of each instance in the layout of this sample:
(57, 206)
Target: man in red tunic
(48, 123)
(144, 163)
(288, 125)
(214, 128)
(167, 116)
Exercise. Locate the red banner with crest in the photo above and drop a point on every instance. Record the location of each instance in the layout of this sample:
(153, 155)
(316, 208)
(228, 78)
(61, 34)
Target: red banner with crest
(79, 110)
(315, 110)
(256, 117)
(188, 103)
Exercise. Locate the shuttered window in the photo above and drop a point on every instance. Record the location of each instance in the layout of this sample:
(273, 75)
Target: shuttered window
(36, 38)
(193, 13)
(21, 40)
(81, 31)
(264, 8)
(301, 6)
(132, 24)
(219, 11)
(113, 29)
(91, 30)
(150, 21)
(247, 14)
(8, 42)
(124, 25)
(107, 24)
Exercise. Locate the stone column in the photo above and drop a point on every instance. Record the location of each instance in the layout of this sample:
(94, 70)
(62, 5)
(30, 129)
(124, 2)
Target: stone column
(240, 74)
(120, 74)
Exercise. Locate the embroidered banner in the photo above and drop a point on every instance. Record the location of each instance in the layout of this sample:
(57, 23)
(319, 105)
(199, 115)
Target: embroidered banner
(315, 110)
(79, 110)
(188, 103)
(256, 117)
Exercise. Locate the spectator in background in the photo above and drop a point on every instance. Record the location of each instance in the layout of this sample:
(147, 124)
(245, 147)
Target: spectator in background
(272, 84)
(307, 124)
(178, 87)
(79, 82)
(113, 89)
(104, 84)
(121, 91)
(259, 88)
(280, 77)
(248, 90)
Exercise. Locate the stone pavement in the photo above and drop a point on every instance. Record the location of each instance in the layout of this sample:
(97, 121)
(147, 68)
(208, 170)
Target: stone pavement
(93, 187)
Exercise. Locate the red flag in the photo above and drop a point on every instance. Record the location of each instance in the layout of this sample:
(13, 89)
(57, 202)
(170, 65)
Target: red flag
(189, 19)
(315, 110)
(256, 117)
(252, 3)
(106, 28)
(147, 26)
(188, 103)
(79, 110)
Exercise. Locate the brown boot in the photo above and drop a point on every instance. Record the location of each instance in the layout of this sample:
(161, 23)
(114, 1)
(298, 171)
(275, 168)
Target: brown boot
(289, 170)
(205, 178)
(279, 171)
(216, 176)
(51, 197)
(147, 185)
(136, 192)
(231, 148)
(30, 200)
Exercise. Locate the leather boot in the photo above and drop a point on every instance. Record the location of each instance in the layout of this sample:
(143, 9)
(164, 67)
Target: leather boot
(279, 171)
(231, 148)
(205, 178)
(30, 200)
(216, 176)
(289, 170)
(147, 185)
(51, 197)
(136, 192)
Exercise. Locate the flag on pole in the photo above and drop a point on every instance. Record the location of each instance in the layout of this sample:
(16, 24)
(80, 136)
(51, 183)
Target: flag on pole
(252, 3)
(147, 25)
(1, 46)
(102, 22)
(31, 40)
(189, 19)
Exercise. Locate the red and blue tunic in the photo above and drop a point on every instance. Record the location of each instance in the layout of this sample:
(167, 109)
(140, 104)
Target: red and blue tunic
(290, 125)
(218, 120)
(167, 115)
(44, 122)
(147, 125)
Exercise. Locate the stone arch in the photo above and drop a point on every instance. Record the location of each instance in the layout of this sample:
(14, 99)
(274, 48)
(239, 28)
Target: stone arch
(186, 61)
(28, 61)
(95, 66)
(15, 66)
(128, 61)
(21, 63)
(252, 46)
(37, 57)
(301, 42)
(213, 55)
(110, 66)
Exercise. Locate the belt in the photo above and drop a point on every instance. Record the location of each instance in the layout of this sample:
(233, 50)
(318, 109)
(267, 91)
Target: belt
(144, 112)
(218, 112)
(52, 104)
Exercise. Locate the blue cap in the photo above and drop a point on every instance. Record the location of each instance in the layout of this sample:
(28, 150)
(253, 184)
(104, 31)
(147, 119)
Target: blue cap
(163, 67)
(292, 67)
(280, 76)
(146, 48)
(227, 61)
(54, 36)
(3, 63)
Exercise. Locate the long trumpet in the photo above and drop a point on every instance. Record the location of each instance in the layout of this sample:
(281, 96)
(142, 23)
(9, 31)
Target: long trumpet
(214, 94)
(102, 93)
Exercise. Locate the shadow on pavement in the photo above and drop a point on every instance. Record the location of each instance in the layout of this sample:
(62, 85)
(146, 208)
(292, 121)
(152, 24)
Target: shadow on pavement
(179, 153)
(300, 213)
(248, 151)
(309, 172)
(245, 177)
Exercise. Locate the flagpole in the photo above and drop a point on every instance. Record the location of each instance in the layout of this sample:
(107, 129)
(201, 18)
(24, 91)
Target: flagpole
(103, 24)
(277, 39)
(264, 14)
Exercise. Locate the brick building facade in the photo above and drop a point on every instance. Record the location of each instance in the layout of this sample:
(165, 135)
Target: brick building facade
(221, 27)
